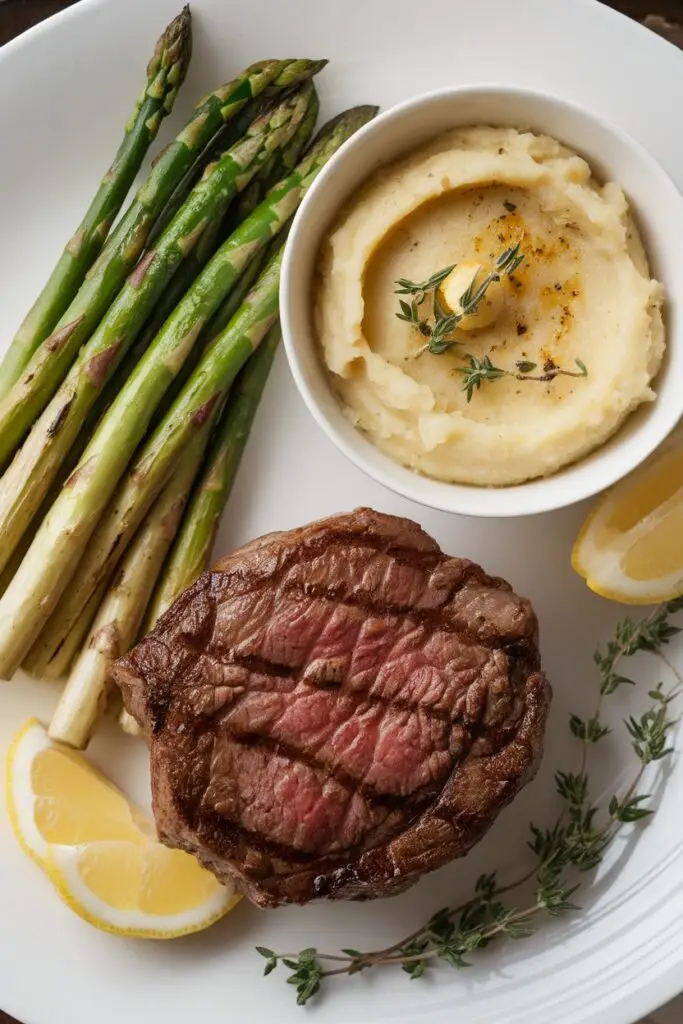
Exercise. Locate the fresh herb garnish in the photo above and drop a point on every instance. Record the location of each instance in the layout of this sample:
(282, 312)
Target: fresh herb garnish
(576, 842)
(445, 321)
(478, 370)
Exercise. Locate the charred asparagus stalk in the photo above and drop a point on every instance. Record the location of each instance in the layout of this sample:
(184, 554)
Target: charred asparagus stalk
(35, 466)
(50, 363)
(60, 665)
(191, 549)
(226, 311)
(41, 581)
(119, 616)
(165, 74)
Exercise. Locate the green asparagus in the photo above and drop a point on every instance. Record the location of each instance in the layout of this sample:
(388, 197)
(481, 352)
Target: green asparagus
(280, 163)
(191, 549)
(49, 364)
(293, 74)
(119, 615)
(35, 466)
(192, 546)
(226, 311)
(51, 560)
(149, 471)
(165, 74)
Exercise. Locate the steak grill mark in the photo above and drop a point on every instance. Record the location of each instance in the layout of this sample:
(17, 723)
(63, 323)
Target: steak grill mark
(219, 696)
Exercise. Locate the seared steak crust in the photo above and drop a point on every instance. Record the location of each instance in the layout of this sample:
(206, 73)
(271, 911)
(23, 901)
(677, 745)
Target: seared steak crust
(333, 711)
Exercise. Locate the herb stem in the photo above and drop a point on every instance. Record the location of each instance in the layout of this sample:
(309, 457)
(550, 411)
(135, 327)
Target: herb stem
(618, 650)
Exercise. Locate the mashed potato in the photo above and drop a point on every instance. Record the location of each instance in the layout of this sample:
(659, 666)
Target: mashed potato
(583, 292)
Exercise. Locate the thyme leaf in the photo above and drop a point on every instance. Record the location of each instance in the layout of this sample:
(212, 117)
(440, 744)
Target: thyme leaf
(476, 371)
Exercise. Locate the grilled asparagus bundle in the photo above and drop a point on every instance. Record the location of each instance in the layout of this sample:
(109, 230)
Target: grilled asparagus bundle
(135, 410)
(165, 74)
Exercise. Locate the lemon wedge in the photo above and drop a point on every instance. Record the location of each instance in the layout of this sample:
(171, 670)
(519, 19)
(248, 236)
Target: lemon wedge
(630, 549)
(100, 851)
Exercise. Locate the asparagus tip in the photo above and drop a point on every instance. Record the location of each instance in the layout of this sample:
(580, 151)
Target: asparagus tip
(174, 49)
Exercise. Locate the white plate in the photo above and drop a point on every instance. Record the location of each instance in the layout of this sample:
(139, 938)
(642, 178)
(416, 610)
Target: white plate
(67, 88)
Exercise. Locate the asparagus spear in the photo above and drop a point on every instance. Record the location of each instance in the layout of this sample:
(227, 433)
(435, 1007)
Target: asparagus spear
(118, 619)
(225, 312)
(191, 549)
(37, 663)
(293, 74)
(51, 560)
(279, 164)
(192, 546)
(165, 74)
(64, 657)
(209, 503)
(49, 364)
(28, 478)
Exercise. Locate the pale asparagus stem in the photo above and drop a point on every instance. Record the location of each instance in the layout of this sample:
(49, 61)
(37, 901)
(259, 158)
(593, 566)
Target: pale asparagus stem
(50, 363)
(26, 482)
(165, 74)
(60, 663)
(66, 469)
(118, 618)
(36, 589)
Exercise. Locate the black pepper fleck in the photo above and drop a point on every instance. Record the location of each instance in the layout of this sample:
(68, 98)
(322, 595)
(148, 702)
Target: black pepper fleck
(521, 329)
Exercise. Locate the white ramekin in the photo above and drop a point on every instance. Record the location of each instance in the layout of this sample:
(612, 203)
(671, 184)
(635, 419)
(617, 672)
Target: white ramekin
(656, 203)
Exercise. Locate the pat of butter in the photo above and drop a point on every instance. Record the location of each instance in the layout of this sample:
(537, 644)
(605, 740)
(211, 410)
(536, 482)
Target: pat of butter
(456, 284)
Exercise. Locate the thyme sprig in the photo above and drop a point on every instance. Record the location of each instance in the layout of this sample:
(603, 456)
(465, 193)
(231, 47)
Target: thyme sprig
(476, 371)
(576, 843)
(445, 321)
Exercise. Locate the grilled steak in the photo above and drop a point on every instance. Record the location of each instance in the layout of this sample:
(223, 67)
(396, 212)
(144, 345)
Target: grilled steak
(334, 711)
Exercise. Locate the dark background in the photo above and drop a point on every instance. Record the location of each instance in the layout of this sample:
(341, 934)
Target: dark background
(665, 16)
(18, 15)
